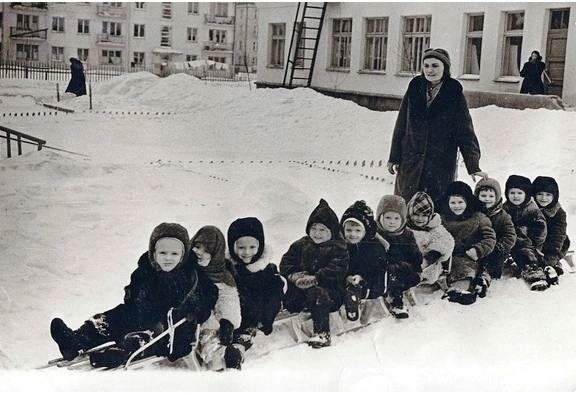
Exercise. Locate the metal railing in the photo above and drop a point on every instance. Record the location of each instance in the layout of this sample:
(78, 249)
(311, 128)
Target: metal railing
(21, 138)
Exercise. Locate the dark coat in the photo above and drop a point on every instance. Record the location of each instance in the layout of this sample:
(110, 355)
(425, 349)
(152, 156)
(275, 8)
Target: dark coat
(529, 223)
(327, 261)
(77, 84)
(260, 287)
(557, 242)
(426, 140)
(504, 228)
(532, 73)
(152, 292)
(368, 259)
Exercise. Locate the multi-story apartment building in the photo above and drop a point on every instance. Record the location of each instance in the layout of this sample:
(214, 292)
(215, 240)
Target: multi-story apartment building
(246, 37)
(131, 34)
(373, 49)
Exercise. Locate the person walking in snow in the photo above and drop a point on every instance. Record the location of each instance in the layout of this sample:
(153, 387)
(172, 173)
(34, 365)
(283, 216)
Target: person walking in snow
(316, 267)
(77, 84)
(166, 281)
(532, 72)
(260, 285)
(433, 123)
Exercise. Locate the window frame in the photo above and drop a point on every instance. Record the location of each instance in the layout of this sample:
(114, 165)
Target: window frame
(337, 61)
(58, 24)
(469, 36)
(139, 30)
(420, 38)
(277, 45)
(83, 26)
(367, 59)
(192, 34)
(510, 34)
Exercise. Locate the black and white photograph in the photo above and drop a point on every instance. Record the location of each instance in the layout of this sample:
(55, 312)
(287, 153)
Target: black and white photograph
(288, 196)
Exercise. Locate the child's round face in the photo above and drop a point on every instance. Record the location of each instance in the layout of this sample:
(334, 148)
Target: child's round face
(419, 219)
(457, 205)
(516, 196)
(203, 255)
(353, 232)
(246, 248)
(320, 233)
(487, 197)
(391, 221)
(544, 198)
(168, 253)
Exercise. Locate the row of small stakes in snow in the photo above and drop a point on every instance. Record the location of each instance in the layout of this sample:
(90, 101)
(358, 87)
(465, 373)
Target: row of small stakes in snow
(55, 113)
(310, 164)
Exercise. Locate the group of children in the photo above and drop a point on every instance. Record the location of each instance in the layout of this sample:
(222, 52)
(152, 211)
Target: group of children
(458, 243)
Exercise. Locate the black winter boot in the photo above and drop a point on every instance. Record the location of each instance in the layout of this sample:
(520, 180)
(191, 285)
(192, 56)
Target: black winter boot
(320, 340)
(234, 356)
(66, 338)
(352, 302)
(110, 358)
(226, 332)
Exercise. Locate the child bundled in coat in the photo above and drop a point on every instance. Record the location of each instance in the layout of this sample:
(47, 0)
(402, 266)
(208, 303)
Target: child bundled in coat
(368, 257)
(530, 226)
(404, 257)
(489, 193)
(260, 285)
(546, 194)
(316, 267)
(434, 241)
(210, 247)
(166, 281)
(474, 239)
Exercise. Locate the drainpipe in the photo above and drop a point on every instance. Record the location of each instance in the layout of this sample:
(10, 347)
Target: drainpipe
(234, 42)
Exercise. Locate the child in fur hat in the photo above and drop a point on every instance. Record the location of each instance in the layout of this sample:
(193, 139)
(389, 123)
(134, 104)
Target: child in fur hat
(489, 193)
(530, 226)
(316, 267)
(404, 257)
(474, 238)
(260, 285)
(434, 241)
(546, 194)
(368, 257)
(210, 247)
(166, 282)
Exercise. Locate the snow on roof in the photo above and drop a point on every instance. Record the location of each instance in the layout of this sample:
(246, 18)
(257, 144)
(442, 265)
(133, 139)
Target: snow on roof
(167, 50)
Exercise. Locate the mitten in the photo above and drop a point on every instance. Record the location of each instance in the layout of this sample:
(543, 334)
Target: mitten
(297, 275)
(226, 332)
(306, 282)
(354, 280)
(472, 253)
(432, 256)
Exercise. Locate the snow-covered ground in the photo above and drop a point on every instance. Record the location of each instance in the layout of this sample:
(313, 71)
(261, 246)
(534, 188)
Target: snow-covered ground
(74, 225)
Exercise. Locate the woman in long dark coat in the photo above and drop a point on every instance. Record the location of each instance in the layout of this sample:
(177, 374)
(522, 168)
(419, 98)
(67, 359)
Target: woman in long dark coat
(433, 123)
(77, 84)
(532, 73)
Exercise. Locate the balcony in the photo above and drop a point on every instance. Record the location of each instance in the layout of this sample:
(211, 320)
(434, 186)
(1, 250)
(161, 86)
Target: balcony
(25, 33)
(106, 38)
(218, 20)
(29, 6)
(111, 12)
(217, 46)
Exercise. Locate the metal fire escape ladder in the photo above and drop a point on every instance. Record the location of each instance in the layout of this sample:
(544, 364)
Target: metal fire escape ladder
(304, 44)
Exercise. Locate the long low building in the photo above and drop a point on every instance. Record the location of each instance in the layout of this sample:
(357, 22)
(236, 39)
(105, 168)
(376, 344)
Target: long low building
(373, 49)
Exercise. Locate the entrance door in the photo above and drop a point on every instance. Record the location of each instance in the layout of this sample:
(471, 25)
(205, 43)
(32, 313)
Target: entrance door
(556, 48)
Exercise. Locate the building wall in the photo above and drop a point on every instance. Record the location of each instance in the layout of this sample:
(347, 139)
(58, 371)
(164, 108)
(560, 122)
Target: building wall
(447, 31)
(246, 36)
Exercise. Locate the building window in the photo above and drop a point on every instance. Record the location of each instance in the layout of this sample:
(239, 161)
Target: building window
(473, 53)
(58, 24)
(167, 10)
(191, 58)
(58, 54)
(140, 5)
(277, 42)
(26, 52)
(138, 59)
(217, 59)
(26, 22)
(138, 30)
(341, 43)
(192, 34)
(83, 54)
(512, 43)
(112, 28)
(193, 8)
(376, 44)
(217, 36)
(415, 40)
(84, 26)
(166, 36)
(117, 4)
(111, 56)
(221, 9)
(559, 19)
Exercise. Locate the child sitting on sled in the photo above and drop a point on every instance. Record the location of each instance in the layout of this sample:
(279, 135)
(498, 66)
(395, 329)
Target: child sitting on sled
(366, 277)
(316, 267)
(474, 238)
(404, 257)
(531, 230)
(260, 285)
(166, 282)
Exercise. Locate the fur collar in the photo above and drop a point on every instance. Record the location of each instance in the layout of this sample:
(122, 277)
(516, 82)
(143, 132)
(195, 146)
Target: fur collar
(551, 210)
(258, 265)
